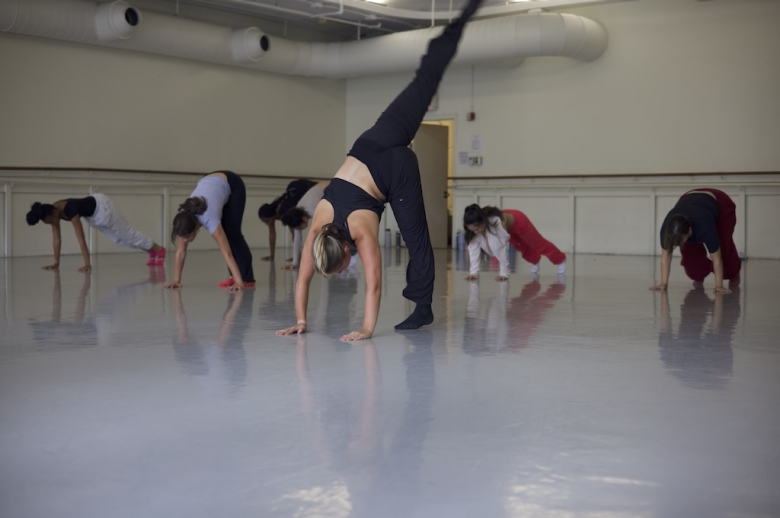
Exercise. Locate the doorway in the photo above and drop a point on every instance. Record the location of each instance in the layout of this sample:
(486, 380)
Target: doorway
(433, 145)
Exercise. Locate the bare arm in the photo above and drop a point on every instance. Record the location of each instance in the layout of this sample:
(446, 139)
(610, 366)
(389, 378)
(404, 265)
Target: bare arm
(56, 241)
(79, 229)
(368, 248)
(322, 216)
(178, 265)
(666, 267)
(224, 247)
(271, 242)
(717, 268)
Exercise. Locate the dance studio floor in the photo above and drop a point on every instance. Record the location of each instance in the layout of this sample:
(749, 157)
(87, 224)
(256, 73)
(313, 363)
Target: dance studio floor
(584, 396)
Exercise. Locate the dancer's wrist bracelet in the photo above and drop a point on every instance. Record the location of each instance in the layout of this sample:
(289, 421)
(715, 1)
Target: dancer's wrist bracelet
(301, 321)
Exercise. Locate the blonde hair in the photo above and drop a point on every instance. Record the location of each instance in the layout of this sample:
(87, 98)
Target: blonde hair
(328, 250)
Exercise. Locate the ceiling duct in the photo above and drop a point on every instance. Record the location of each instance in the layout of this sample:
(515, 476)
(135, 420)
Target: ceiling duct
(503, 39)
(116, 20)
(249, 44)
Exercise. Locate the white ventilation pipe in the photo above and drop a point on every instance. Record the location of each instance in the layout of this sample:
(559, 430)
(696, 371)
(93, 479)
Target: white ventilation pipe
(249, 44)
(116, 20)
(511, 38)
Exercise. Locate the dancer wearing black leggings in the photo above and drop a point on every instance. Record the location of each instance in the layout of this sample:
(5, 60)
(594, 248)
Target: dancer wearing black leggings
(381, 168)
(217, 203)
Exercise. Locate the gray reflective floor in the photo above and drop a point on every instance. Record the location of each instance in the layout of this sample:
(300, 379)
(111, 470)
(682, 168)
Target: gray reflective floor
(583, 396)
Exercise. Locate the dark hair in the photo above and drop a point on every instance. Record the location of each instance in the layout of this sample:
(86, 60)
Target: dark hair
(186, 220)
(267, 210)
(677, 227)
(294, 217)
(328, 249)
(476, 215)
(38, 212)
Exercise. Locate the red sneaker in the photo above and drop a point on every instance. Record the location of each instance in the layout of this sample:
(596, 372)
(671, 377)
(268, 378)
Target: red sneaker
(161, 256)
(227, 283)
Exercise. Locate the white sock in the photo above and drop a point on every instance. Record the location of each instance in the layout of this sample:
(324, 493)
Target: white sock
(535, 269)
(562, 267)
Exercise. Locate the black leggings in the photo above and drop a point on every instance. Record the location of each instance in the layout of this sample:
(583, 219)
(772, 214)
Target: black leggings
(391, 136)
(232, 217)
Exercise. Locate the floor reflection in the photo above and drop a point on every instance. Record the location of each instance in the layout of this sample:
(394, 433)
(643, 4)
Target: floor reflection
(59, 333)
(219, 357)
(700, 354)
(346, 432)
(500, 323)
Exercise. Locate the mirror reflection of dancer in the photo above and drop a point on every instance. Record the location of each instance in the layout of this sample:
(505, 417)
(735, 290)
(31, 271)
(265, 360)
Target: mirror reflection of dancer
(101, 214)
(217, 203)
(702, 221)
(492, 229)
(381, 168)
(270, 212)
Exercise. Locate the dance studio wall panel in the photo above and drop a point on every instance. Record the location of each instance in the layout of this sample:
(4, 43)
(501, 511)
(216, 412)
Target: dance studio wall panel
(611, 223)
(71, 105)
(762, 217)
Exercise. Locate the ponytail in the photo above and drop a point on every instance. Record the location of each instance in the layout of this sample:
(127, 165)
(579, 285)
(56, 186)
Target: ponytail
(186, 221)
(194, 205)
(328, 250)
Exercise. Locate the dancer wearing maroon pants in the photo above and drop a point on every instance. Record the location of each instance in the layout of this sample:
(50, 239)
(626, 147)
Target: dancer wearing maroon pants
(490, 229)
(702, 221)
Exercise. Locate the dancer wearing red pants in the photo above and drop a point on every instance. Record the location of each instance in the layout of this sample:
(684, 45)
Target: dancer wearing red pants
(490, 229)
(702, 221)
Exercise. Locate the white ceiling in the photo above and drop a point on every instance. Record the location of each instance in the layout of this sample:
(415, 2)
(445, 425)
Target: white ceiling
(357, 16)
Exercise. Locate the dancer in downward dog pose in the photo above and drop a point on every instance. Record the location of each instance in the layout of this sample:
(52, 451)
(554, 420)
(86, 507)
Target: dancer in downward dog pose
(381, 168)
(217, 203)
(270, 212)
(101, 214)
(702, 221)
(297, 219)
(491, 229)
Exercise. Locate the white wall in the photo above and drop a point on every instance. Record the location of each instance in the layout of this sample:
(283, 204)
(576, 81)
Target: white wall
(71, 105)
(683, 86)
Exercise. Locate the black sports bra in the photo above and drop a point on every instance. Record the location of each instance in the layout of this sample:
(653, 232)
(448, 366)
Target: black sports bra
(84, 207)
(346, 198)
